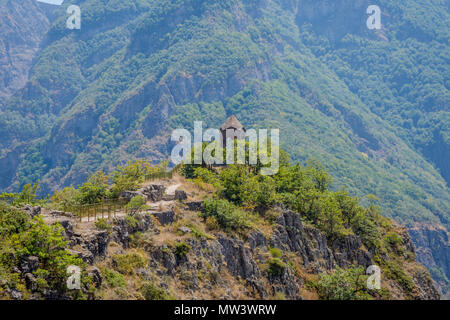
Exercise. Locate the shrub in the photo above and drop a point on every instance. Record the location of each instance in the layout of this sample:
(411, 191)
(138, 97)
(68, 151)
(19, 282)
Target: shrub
(150, 291)
(48, 244)
(137, 204)
(207, 176)
(396, 273)
(366, 229)
(393, 240)
(26, 196)
(12, 220)
(103, 224)
(188, 171)
(233, 180)
(275, 252)
(259, 193)
(130, 177)
(131, 222)
(349, 284)
(114, 279)
(276, 267)
(227, 215)
(212, 224)
(182, 249)
(128, 263)
(94, 189)
(65, 199)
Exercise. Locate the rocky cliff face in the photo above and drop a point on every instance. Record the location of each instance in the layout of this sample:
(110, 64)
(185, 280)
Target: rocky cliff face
(433, 250)
(229, 267)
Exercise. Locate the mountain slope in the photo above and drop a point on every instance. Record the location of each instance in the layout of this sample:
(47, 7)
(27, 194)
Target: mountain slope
(22, 28)
(372, 106)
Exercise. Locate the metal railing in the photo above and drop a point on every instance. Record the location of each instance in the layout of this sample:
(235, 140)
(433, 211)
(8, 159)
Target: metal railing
(109, 208)
(158, 175)
(104, 209)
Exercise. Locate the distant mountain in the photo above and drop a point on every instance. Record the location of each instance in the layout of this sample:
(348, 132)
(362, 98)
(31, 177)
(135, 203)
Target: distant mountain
(22, 28)
(372, 105)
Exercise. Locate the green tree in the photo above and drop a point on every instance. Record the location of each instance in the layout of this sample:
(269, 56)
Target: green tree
(227, 215)
(94, 189)
(259, 193)
(136, 205)
(66, 198)
(48, 244)
(349, 284)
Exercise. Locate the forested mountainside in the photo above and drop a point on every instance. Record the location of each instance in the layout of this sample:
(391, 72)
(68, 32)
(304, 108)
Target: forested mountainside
(371, 105)
(22, 28)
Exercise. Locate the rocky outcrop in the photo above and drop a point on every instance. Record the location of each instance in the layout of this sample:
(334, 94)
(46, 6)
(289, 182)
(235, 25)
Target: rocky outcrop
(244, 259)
(209, 262)
(312, 246)
(154, 192)
(238, 258)
(166, 217)
(424, 286)
(124, 227)
(195, 205)
(180, 195)
(92, 245)
(32, 211)
(128, 195)
(433, 251)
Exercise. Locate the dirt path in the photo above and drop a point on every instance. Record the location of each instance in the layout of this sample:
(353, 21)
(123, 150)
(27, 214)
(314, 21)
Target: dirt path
(170, 191)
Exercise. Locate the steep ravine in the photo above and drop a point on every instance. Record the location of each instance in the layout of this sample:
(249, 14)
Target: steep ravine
(433, 251)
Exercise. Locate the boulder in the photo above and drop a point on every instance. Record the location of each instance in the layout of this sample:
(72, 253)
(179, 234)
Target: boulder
(32, 211)
(94, 272)
(166, 217)
(29, 264)
(184, 230)
(195, 205)
(154, 192)
(123, 229)
(30, 281)
(128, 195)
(180, 195)
(15, 294)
